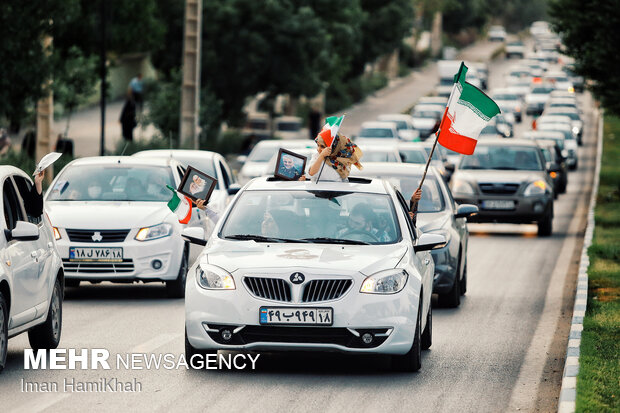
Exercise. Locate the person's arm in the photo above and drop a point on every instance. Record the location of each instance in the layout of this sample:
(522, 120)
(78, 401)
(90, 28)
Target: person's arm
(34, 205)
(316, 166)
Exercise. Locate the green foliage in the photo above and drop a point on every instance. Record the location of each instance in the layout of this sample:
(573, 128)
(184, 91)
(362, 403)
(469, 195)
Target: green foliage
(590, 34)
(18, 159)
(228, 142)
(461, 14)
(164, 101)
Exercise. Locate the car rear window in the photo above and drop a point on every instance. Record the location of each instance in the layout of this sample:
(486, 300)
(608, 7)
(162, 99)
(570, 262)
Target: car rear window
(376, 133)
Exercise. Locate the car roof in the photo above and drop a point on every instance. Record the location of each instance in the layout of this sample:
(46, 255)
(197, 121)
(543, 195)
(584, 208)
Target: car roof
(546, 133)
(176, 153)
(411, 145)
(300, 143)
(508, 142)
(378, 125)
(426, 107)
(269, 183)
(10, 169)
(124, 160)
(391, 168)
(546, 142)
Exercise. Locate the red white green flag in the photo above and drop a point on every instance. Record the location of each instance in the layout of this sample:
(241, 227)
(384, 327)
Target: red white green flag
(467, 113)
(180, 205)
(330, 130)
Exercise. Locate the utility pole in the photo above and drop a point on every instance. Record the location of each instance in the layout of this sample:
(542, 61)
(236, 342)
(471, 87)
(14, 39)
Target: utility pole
(45, 120)
(102, 73)
(190, 88)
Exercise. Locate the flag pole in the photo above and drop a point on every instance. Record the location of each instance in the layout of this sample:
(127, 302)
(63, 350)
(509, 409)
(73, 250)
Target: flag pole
(413, 205)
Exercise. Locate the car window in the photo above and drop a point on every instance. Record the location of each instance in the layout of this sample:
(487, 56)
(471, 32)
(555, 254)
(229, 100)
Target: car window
(413, 156)
(113, 183)
(376, 133)
(225, 175)
(432, 197)
(502, 157)
(380, 156)
(298, 215)
(12, 208)
(405, 209)
(23, 188)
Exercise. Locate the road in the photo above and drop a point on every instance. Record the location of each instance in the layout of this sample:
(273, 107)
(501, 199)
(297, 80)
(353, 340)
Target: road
(500, 351)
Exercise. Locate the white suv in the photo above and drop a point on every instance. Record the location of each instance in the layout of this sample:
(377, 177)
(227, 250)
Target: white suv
(332, 266)
(31, 273)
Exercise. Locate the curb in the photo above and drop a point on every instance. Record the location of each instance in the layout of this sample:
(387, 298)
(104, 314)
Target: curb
(568, 392)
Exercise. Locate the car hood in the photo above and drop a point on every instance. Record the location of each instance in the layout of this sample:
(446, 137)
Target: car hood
(235, 255)
(106, 215)
(498, 176)
(432, 221)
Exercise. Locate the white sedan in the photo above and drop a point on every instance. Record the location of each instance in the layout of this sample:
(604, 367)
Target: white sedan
(112, 223)
(31, 274)
(330, 266)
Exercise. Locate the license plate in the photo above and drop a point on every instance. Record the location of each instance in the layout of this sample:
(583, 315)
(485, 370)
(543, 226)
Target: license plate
(86, 254)
(498, 204)
(292, 315)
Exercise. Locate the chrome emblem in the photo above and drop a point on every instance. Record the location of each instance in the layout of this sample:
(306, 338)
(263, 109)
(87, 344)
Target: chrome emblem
(97, 236)
(297, 278)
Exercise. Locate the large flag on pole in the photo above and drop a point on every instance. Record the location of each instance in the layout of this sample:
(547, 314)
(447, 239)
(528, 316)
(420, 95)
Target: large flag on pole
(330, 129)
(467, 113)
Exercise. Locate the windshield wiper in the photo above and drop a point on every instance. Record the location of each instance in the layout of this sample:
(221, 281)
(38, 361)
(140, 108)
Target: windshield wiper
(260, 238)
(506, 168)
(335, 241)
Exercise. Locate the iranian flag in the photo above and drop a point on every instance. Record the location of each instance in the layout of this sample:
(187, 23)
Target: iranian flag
(180, 205)
(467, 113)
(330, 130)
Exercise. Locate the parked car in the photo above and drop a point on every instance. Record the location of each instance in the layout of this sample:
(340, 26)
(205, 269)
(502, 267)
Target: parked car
(111, 221)
(404, 125)
(437, 214)
(31, 274)
(508, 181)
(256, 161)
(319, 273)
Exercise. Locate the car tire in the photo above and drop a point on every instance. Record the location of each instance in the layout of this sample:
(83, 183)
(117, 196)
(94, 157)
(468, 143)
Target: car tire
(192, 351)
(72, 283)
(545, 226)
(47, 335)
(4, 331)
(463, 283)
(412, 360)
(452, 298)
(427, 334)
(176, 288)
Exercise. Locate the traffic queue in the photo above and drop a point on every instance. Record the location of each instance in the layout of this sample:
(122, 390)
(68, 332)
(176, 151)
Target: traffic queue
(335, 244)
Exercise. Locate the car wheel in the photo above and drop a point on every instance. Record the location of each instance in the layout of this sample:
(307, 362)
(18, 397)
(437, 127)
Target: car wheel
(72, 283)
(4, 330)
(545, 225)
(412, 360)
(192, 351)
(176, 288)
(452, 298)
(427, 334)
(47, 335)
(463, 283)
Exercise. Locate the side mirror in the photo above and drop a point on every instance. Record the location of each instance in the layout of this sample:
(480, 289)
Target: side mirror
(553, 167)
(466, 210)
(242, 158)
(23, 231)
(450, 166)
(233, 189)
(194, 235)
(428, 242)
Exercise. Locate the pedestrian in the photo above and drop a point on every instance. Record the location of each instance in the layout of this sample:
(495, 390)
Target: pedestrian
(136, 88)
(5, 141)
(128, 118)
(314, 120)
(334, 164)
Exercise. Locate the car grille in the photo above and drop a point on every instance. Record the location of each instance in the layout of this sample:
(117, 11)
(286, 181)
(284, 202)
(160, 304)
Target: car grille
(325, 290)
(98, 267)
(86, 235)
(505, 189)
(270, 288)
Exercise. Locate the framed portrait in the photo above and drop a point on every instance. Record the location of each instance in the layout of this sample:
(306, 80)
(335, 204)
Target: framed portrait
(289, 165)
(196, 184)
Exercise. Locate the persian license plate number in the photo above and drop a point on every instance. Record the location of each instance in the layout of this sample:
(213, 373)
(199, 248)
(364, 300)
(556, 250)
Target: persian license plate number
(85, 254)
(292, 315)
(498, 204)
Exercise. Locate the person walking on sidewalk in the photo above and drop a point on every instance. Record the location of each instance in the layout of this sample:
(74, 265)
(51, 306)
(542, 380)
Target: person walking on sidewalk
(128, 118)
(136, 88)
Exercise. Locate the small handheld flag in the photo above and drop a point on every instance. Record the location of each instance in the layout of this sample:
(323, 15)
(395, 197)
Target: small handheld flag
(181, 206)
(330, 129)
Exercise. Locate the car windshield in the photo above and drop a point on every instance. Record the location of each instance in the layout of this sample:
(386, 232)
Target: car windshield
(400, 124)
(376, 133)
(522, 158)
(505, 96)
(546, 154)
(312, 216)
(489, 130)
(413, 155)
(432, 198)
(113, 183)
(542, 90)
(262, 153)
(571, 115)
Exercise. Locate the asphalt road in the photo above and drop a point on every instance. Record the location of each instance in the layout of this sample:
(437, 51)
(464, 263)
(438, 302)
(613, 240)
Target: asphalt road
(500, 351)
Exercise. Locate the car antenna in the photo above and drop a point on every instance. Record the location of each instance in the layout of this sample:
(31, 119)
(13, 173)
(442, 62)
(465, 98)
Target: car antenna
(123, 152)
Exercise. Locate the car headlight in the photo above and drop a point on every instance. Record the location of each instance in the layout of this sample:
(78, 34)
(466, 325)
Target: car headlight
(462, 187)
(56, 233)
(211, 277)
(154, 232)
(536, 188)
(575, 129)
(385, 282)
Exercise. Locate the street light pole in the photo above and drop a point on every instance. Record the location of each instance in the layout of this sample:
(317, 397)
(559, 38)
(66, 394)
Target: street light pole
(102, 72)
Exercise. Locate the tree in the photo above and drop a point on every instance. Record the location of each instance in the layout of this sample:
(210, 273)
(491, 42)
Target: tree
(589, 31)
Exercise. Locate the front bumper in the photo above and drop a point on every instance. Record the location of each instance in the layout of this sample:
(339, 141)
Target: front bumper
(390, 318)
(138, 262)
(527, 209)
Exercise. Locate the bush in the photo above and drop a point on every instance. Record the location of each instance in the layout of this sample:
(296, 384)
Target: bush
(228, 142)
